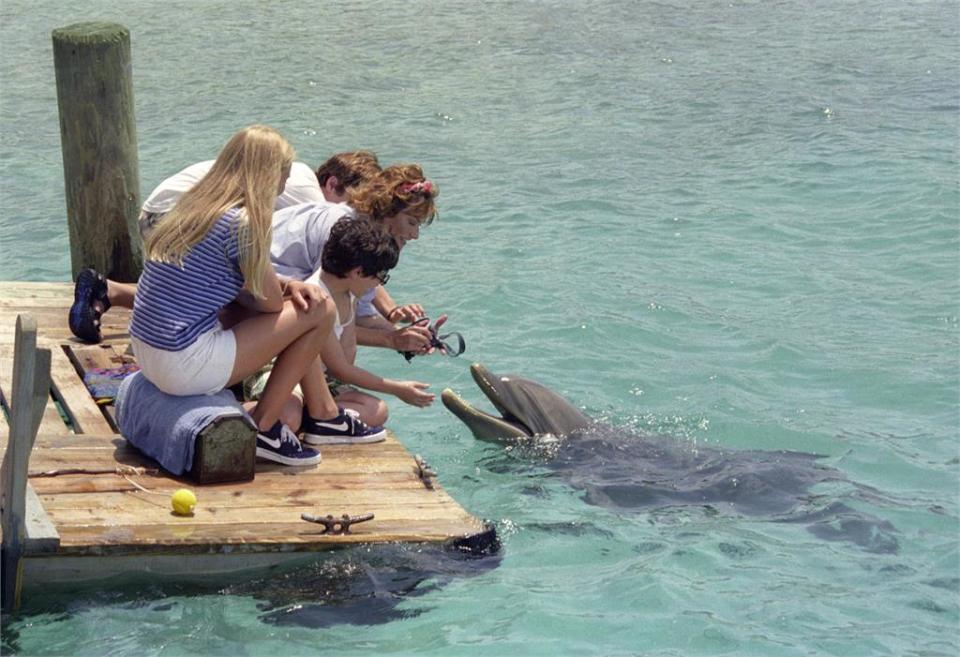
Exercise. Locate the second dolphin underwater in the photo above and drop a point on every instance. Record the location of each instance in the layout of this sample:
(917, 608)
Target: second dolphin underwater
(623, 469)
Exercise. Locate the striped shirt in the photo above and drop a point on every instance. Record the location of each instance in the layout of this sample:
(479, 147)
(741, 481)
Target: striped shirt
(174, 305)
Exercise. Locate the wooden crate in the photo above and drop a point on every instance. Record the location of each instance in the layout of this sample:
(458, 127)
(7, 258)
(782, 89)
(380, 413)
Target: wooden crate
(226, 450)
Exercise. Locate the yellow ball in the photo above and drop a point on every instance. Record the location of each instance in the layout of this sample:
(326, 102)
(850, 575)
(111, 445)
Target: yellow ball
(183, 502)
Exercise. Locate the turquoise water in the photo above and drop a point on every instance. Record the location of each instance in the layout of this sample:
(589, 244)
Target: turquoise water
(732, 223)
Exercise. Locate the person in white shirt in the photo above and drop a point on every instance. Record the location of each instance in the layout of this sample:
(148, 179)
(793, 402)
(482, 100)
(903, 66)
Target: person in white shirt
(94, 294)
(358, 256)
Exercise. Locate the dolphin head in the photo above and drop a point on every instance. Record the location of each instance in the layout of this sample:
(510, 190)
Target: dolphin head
(526, 408)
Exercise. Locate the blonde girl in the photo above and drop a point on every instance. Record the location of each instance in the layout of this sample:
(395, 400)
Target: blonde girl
(212, 250)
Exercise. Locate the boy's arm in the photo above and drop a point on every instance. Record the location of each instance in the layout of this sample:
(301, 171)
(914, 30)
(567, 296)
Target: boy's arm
(348, 341)
(412, 392)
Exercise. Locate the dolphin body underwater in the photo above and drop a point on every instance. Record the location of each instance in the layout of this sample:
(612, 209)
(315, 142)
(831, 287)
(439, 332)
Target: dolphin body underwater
(623, 469)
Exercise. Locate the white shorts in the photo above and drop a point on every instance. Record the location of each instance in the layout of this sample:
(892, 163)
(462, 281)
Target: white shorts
(203, 368)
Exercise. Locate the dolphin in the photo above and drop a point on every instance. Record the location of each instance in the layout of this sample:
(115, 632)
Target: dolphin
(623, 469)
(527, 408)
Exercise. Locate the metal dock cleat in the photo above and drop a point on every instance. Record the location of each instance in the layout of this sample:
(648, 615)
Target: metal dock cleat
(333, 525)
(425, 472)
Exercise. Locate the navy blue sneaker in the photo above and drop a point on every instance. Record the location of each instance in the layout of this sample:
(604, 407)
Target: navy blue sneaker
(345, 429)
(280, 445)
(89, 302)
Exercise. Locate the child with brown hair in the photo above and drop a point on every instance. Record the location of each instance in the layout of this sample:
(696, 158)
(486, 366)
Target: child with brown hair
(342, 172)
(357, 257)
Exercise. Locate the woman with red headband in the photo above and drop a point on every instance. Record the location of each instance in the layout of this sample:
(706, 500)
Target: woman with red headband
(401, 200)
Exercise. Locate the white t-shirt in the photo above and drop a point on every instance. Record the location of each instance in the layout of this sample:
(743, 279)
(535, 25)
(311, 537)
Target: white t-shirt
(338, 324)
(302, 187)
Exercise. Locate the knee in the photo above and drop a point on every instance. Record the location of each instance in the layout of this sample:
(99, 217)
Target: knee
(379, 413)
(372, 411)
(292, 412)
(320, 316)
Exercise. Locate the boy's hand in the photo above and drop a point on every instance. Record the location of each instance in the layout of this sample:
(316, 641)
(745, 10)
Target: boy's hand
(411, 338)
(406, 313)
(305, 295)
(414, 393)
(436, 329)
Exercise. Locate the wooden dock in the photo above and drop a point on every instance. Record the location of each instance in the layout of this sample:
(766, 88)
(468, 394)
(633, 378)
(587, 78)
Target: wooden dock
(101, 520)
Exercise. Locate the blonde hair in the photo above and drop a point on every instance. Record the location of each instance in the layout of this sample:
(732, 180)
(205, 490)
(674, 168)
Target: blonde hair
(398, 188)
(246, 174)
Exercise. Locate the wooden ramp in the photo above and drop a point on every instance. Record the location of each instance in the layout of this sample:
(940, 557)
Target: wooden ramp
(102, 520)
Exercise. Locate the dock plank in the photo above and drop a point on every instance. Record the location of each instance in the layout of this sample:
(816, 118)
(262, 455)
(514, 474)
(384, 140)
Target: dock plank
(74, 396)
(55, 329)
(278, 537)
(252, 504)
(42, 536)
(37, 290)
(71, 458)
(35, 304)
(87, 356)
(84, 483)
(51, 423)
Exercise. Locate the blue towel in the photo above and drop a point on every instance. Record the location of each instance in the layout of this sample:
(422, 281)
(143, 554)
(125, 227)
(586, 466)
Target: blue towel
(164, 427)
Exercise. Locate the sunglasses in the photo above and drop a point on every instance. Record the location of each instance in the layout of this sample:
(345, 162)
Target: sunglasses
(382, 276)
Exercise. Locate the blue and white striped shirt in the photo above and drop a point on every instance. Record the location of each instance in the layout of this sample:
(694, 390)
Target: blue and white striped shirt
(174, 305)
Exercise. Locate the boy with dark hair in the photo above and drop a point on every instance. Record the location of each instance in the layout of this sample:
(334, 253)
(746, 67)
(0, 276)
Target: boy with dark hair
(357, 257)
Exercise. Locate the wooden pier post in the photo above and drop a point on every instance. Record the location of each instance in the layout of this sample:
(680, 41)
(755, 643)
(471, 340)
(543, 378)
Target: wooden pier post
(29, 392)
(99, 143)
